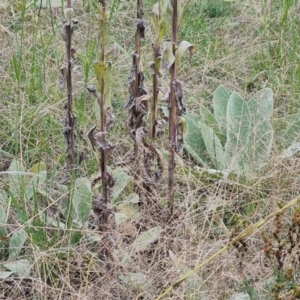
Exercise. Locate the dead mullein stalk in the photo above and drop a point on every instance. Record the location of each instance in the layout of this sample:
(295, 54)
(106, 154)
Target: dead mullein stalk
(66, 77)
(160, 28)
(138, 95)
(99, 140)
(173, 111)
(138, 102)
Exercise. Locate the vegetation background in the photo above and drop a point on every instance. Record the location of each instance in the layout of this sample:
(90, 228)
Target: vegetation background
(49, 245)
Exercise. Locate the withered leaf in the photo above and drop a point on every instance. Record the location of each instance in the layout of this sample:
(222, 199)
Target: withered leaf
(110, 118)
(179, 93)
(135, 57)
(141, 27)
(181, 128)
(102, 142)
(163, 94)
(159, 128)
(142, 104)
(184, 45)
(90, 135)
(152, 68)
(163, 114)
(167, 58)
(140, 136)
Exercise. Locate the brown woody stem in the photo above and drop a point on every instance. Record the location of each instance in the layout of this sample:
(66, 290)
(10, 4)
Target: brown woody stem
(71, 119)
(172, 112)
(103, 162)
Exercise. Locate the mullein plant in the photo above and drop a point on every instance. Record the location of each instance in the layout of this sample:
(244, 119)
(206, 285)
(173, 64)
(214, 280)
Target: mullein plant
(65, 79)
(159, 24)
(99, 140)
(148, 161)
(167, 61)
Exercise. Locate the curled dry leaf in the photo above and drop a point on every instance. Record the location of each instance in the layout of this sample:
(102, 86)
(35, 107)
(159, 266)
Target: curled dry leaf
(102, 142)
(110, 118)
(159, 128)
(64, 69)
(141, 27)
(91, 137)
(179, 93)
(110, 183)
(181, 127)
(135, 57)
(140, 13)
(63, 30)
(140, 136)
(142, 104)
(93, 91)
(184, 46)
(152, 67)
(142, 88)
(162, 114)
(163, 94)
(167, 58)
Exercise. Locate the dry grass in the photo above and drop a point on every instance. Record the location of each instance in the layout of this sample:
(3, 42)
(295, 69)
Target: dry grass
(246, 49)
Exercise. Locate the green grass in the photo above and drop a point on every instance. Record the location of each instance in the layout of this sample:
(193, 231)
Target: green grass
(244, 45)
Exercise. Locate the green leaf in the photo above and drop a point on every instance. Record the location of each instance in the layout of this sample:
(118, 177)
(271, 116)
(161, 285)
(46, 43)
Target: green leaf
(3, 196)
(82, 199)
(184, 46)
(145, 240)
(16, 179)
(192, 288)
(37, 168)
(194, 142)
(20, 267)
(133, 198)
(121, 181)
(136, 281)
(4, 275)
(16, 243)
(3, 231)
(287, 130)
(158, 22)
(33, 184)
(261, 136)
(120, 218)
(213, 146)
(48, 3)
(220, 100)
(129, 209)
(238, 132)
(167, 58)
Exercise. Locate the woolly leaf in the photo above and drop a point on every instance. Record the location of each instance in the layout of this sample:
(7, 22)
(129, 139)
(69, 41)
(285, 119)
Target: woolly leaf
(238, 132)
(145, 240)
(121, 181)
(20, 267)
(16, 243)
(194, 142)
(213, 146)
(16, 179)
(220, 100)
(82, 199)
